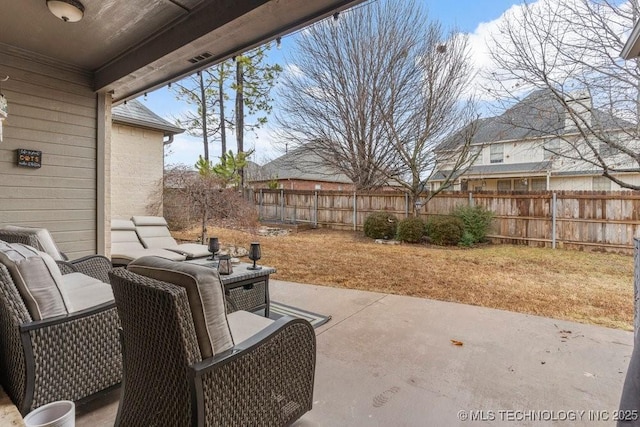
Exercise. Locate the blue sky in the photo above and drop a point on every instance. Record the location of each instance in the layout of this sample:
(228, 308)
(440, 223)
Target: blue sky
(476, 17)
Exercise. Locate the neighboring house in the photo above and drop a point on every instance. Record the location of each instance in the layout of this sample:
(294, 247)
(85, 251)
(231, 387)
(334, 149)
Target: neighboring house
(520, 150)
(298, 169)
(137, 159)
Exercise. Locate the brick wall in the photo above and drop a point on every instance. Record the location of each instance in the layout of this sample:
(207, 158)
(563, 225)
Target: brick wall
(137, 161)
(298, 184)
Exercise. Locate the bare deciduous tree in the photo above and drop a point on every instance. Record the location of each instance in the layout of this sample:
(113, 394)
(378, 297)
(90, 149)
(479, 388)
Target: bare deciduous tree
(373, 93)
(567, 54)
(191, 196)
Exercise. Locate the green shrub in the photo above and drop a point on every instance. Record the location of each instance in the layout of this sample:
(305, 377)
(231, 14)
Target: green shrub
(467, 239)
(445, 230)
(380, 225)
(476, 220)
(410, 230)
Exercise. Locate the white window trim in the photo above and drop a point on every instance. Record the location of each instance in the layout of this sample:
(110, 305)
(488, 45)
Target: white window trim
(493, 152)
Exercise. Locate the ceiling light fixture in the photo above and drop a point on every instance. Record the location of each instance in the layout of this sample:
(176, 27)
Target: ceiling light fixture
(67, 10)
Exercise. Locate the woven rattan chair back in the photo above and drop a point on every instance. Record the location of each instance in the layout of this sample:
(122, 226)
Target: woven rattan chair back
(159, 343)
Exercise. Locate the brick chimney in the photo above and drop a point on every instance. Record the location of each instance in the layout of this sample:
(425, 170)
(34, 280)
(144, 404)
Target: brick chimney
(579, 101)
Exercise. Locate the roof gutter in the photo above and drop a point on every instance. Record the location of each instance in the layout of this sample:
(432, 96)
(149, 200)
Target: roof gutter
(631, 48)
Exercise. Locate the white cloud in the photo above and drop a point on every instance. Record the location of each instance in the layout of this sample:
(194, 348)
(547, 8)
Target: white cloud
(293, 69)
(482, 37)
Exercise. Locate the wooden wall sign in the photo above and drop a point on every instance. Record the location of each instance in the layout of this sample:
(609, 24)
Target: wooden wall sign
(29, 158)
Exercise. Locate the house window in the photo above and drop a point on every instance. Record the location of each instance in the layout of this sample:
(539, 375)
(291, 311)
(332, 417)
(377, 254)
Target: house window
(600, 183)
(504, 185)
(475, 153)
(538, 184)
(521, 184)
(607, 150)
(551, 149)
(318, 186)
(496, 153)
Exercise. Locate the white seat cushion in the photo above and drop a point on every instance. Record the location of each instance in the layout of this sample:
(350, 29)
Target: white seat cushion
(36, 277)
(153, 232)
(125, 257)
(245, 325)
(125, 245)
(192, 250)
(156, 236)
(81, 291)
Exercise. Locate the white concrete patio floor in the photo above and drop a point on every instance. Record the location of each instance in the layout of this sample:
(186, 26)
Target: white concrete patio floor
(387, 360)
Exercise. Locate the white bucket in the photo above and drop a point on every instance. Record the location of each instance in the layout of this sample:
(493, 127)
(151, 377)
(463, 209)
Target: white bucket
(54, 414)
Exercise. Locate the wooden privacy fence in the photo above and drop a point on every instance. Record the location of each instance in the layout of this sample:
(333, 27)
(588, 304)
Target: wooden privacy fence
(588, 220)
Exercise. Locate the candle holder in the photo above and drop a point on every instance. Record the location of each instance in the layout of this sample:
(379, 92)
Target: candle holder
(214, 247)
(254, 255)
(224, 264)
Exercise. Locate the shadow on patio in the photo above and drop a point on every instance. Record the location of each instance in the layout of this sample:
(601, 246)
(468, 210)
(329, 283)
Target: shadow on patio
(389, 360)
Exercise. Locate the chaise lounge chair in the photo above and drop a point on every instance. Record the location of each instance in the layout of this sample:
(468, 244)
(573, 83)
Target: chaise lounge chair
(213, 370)
(153, 232)
(125, 245)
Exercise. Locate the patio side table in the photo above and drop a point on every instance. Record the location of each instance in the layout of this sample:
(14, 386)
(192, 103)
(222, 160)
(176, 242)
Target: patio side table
(245, 289)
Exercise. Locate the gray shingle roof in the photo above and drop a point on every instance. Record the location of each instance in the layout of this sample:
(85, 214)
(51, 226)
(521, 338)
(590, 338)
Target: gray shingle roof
(537, 115)
(499, 168)
(302, 164)
(135, 113)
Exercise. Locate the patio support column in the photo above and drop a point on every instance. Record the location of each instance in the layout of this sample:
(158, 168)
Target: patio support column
(103, 172)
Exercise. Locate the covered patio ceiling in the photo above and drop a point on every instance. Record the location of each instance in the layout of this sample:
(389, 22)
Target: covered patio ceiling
(131, 47)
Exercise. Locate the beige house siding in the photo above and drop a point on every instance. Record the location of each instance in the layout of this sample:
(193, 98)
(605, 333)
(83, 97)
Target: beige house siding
(556, 183)
(52, 108)
(137, 159)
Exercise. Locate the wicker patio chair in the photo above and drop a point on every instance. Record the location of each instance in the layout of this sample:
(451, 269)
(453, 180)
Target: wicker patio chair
(96, 266)
(67, 357)
(266, 379)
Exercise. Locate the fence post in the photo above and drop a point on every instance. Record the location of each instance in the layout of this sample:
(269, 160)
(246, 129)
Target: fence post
(636, 286)
(470, 199)
(315, 208)
(355, 211)
(554, 204)
(260, 207)
(282, 205)
(295, 210)
(406, 205)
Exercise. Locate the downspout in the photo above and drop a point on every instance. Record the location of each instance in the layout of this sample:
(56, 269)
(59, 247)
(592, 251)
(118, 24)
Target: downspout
(165, 142)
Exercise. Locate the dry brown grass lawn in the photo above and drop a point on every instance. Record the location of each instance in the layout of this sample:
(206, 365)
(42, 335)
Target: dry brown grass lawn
(586, 287)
